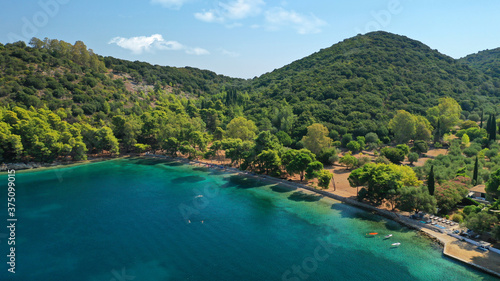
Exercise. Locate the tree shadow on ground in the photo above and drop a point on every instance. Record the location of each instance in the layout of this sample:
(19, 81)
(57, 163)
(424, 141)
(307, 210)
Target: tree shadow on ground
(300, 196)
(340, 172)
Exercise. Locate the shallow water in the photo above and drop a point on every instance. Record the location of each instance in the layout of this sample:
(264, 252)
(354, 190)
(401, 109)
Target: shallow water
(141, 219)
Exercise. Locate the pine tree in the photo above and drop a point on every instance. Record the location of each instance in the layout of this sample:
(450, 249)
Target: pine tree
(430, 181)
(476, 172)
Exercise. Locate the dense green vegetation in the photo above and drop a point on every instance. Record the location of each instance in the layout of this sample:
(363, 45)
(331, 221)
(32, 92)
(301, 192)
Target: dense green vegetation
(487, 61)
(357, 85)
(380, 92)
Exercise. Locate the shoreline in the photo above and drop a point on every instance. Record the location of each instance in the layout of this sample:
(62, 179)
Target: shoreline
(37, 166)
(437, 235)
(442, 238)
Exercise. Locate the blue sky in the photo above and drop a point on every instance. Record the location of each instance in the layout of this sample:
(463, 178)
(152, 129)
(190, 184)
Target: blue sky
(246, 38)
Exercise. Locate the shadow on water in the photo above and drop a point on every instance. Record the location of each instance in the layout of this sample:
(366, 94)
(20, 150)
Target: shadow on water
(155, 161)
(147, 162)
(188, 179)
(348, 211)
(201, 169)
(352, 212)
(282, 189)
(300, 196)
(210, 171)
(242, 182)
(173, 163)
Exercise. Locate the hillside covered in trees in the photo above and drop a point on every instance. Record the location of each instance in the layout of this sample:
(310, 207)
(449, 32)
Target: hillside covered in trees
(487, 61)
(109, 105)
(359, 83)
(383, 93)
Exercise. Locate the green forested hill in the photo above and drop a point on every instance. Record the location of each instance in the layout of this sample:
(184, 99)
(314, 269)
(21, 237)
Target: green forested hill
(58, 74)
(59, 99)
(358, 83)
(62, 100)
(487, 61)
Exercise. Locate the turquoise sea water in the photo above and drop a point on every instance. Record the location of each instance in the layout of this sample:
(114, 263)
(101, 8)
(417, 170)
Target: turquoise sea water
(142, 219)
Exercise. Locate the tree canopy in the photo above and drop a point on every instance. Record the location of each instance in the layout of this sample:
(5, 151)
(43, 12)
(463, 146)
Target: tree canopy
(316, 138)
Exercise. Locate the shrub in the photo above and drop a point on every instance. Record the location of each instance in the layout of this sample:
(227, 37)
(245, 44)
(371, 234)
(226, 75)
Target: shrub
(353, 146)
(458, 218)
(324, 178)
(471, 209)
(404, 148)
(491, 153)
(420, 147)
(363, 160)
(328, 156)
(371, 138)
(472, 150)
(412, 157)
(349, 161)
(382, 159)
(361, 141)
(346, 139)
(474, 117)
(371, 146)
(393, 154)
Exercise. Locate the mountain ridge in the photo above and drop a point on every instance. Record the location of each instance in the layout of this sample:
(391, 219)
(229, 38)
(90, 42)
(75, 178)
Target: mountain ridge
(362, 80)
(355, 85)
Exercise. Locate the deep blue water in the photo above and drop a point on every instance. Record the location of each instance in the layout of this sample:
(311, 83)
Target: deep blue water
(141, 219)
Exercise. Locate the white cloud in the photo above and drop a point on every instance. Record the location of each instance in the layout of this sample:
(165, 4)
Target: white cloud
(209, 16)
(140, 44)
(276, 18)
(241, 9)
(235, 10)
(197, 51)
(174, 4)
(229, 53)
(279, 17)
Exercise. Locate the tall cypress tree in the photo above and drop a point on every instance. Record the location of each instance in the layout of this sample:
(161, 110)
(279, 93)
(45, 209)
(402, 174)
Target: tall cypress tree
(437, 131)
(488, 126)
(476, 172)
(430, 181)
(493, 128)
(482, 118)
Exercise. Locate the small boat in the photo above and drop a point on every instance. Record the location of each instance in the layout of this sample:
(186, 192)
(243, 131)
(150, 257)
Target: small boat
(388, 236)
(395, 244)
(372, 233)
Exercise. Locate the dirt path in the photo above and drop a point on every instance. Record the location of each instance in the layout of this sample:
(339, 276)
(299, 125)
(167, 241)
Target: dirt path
(431, 154)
